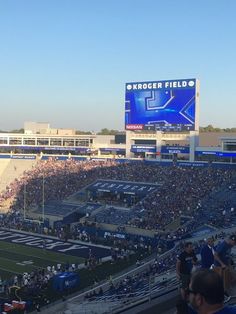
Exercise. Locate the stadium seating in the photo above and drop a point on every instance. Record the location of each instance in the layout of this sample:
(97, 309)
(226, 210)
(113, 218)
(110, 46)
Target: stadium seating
(182, 191)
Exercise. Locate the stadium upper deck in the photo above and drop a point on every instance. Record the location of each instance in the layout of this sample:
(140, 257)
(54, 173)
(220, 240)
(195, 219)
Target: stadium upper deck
(212, 146)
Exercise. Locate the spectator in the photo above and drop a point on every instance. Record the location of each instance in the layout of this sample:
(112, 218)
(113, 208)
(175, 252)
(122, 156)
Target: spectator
(184, 265)
(188, 187)
(223, 260)
(207, 254)
(206, 293)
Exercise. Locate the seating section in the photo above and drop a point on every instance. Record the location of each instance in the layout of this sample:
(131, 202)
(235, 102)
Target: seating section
(117, 216)
(62, 209)
(182, 191)
(57, 208)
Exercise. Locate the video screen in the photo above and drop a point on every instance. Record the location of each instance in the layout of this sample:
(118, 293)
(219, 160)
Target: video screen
(163, 105)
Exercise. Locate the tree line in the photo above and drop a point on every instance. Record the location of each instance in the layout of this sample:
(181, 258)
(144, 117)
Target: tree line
(211, 128)
(106, 131)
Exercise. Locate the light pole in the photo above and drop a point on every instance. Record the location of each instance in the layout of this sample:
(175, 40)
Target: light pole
(24, 199)
(43, 199)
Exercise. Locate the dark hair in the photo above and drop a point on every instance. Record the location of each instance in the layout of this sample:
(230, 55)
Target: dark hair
(209, 284)
(187, 244)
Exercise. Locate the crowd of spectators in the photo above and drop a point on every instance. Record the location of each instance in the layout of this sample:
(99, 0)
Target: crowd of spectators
(148, 279)
(142, 280)
(182, 190)
(33, 286)
(190, 192)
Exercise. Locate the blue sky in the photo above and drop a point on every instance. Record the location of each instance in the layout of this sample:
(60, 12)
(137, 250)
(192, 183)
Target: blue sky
(67, 62)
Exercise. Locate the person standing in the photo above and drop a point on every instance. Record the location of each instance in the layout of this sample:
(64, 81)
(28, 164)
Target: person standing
(184, 265)
(207, 254)
(223, 260)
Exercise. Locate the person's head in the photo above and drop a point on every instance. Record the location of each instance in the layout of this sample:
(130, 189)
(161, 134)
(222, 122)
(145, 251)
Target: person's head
(210, 241)
(232, 240)
(188, 247)
(206, 290)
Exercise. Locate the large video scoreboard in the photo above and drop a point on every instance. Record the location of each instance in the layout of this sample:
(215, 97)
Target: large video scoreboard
(162, 105)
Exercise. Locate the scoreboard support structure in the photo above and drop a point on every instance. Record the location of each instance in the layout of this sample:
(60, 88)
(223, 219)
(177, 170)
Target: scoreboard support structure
(159, 137)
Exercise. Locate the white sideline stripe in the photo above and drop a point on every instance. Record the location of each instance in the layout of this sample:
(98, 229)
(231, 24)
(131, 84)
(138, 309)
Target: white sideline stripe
(9, 271)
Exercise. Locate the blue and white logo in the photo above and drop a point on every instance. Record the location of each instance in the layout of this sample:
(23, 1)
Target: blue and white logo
(185, 83)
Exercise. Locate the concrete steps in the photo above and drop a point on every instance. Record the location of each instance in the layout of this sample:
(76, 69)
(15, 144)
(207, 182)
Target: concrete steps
(14, 168)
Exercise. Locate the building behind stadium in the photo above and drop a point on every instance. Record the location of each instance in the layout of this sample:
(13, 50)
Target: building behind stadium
(161, 123)
(41, 141)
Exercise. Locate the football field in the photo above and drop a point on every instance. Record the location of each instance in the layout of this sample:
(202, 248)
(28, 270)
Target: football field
(24, 252)
(17, 259)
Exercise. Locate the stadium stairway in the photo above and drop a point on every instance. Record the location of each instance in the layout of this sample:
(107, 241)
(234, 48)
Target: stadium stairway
(3, 165)
(13, 169)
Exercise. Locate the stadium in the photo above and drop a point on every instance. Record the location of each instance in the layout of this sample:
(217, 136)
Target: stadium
(93, 224)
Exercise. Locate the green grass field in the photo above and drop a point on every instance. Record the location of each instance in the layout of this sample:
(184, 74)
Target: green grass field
(17, 259)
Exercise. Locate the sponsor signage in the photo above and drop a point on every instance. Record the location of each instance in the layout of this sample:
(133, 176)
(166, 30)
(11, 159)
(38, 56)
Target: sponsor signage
(192, 164)
(216, 153)
(161, 105)
(23, 157)
(63, 148)
(107, 149)
(175, 150)
(143, 149)
(65, 281)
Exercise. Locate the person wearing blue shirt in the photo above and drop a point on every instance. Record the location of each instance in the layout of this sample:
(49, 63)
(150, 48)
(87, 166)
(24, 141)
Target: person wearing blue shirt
(223, 250)
(206, 293)
(223, 259)
(207, 254)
